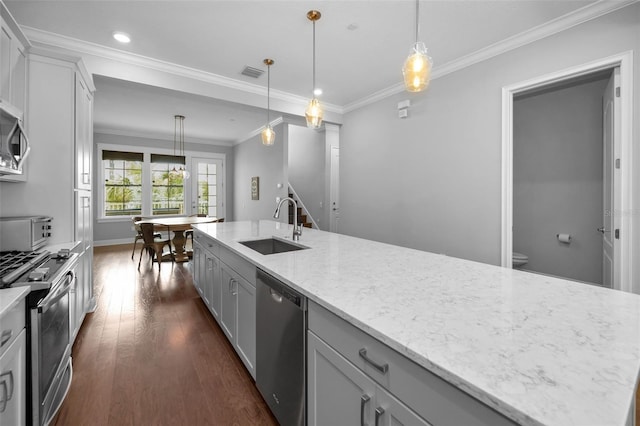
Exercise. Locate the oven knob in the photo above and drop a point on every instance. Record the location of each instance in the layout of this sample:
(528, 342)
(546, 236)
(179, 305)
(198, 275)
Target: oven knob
(38, 274)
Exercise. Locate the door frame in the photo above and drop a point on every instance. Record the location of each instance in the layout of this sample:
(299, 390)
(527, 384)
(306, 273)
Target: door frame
(193, 197)
(624, 61)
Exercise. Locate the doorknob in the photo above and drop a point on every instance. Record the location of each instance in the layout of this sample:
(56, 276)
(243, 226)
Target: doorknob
(602, 230)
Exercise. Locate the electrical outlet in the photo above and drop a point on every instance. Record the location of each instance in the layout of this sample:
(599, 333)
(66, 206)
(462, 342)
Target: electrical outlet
(277, 200)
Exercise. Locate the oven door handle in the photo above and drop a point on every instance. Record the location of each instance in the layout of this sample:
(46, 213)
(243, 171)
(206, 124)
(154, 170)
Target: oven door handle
(52, 298)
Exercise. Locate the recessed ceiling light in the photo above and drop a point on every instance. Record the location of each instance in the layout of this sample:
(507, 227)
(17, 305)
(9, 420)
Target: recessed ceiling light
(317, 92)
(352, 27)
(121, 37)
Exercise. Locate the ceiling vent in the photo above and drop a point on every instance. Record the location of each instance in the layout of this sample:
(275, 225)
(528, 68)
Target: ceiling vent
(252, 72)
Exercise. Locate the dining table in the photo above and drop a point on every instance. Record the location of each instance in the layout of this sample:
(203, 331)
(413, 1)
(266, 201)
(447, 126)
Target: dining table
(178, 225)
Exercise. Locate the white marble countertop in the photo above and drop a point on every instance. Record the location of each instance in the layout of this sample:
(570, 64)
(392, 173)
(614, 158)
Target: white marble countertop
(540, 350)
(10, 296)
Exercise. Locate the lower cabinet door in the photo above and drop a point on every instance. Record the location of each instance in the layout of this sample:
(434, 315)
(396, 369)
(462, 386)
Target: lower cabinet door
(212, 284)
(228, 303)
(13, 380)
(337, 392)
(246, 324)
(391, 412)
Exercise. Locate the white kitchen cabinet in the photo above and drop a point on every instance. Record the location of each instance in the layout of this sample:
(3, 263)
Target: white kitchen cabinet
(13, 62)
(14, 48)
(226, 283)
(54, 113)
(83, 134)
(76, 299)
(228, 303)
(13, 358)
(340, 393)
(408, 393)
(198, 267)
(246, 324)
(238, 306)
(238, 315)
(213, 286)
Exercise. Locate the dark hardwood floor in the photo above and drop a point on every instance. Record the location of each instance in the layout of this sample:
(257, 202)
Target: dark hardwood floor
(152, 354)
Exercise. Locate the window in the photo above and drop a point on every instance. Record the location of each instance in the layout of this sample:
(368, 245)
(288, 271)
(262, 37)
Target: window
(150, 181)
(123, 183)
(167, 184)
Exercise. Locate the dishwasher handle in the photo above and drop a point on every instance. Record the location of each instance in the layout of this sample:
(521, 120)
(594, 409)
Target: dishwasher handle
(280, 291)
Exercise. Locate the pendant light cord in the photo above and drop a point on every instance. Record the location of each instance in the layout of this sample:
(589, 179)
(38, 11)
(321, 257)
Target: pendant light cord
(268, 94)
(314, 60)
(417, 19)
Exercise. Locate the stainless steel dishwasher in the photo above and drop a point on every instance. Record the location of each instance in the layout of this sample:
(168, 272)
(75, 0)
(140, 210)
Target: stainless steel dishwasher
(281, 323)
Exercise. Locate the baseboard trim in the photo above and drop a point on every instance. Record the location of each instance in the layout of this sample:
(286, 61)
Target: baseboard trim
(112, 242)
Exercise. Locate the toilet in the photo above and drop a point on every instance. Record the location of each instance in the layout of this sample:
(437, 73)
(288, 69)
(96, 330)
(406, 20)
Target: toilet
(519, 259)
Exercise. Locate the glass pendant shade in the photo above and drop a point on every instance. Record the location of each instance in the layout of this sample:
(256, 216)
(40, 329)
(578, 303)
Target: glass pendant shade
(314, 114)
(417, 69)
(268, 135)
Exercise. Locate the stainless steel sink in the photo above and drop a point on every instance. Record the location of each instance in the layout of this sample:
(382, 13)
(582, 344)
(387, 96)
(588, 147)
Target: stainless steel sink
(272, 246)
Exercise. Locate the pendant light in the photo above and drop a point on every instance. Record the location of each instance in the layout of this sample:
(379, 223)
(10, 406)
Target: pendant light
(178, 141)
(314, 112)
(268, 135)
(417, 67)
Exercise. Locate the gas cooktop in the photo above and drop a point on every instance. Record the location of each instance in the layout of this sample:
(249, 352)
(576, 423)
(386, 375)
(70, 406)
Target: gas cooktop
(21, 268)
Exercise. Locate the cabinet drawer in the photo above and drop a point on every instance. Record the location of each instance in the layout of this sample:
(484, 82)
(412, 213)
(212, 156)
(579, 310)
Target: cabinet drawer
(243, 267)
(207, 243)
(437, 401)
(11, 324)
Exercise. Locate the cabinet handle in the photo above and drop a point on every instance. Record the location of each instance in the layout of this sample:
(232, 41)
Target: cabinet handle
(231, 281)
(233, 293)
(363, 402)
(379, 413)
(7, 391)
(382, 368)
(6, 335)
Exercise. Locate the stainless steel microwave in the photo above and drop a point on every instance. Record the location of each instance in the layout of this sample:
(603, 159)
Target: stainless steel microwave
(14, 144)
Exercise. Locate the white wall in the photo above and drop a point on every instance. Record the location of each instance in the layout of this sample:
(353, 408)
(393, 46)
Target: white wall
(433, 180)
(306, 160)
(557, 180)
(120, 231)
(268, 163)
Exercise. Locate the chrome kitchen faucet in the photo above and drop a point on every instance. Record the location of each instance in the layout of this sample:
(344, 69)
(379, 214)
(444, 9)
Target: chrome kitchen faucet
(297, 229)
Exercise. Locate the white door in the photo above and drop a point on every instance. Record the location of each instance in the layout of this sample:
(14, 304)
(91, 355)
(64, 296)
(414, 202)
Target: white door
(610, 129)
(207, 191)
(335, 190)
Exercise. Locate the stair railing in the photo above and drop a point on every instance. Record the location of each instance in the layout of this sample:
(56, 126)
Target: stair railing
(301, 204)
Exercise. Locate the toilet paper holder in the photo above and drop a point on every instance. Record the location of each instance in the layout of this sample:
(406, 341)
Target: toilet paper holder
(564, 238)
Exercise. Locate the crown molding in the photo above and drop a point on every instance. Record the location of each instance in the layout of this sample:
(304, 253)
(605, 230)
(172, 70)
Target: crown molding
(48, 39)
(157, 136)
(562, 23)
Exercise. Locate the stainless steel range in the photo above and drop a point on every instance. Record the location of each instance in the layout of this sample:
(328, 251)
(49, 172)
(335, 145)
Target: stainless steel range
(50, 277)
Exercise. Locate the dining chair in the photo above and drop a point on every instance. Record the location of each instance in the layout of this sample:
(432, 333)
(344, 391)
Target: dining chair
(154, 245)
(139, 233)
(189, 232)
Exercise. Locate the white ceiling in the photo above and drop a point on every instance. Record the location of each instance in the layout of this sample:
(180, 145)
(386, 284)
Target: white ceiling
(221, 37)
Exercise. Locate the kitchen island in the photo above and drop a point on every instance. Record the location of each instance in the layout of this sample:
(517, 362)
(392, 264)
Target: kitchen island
(538, 350)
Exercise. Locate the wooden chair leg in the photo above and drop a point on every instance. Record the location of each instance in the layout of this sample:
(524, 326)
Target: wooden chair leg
(140, 260)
